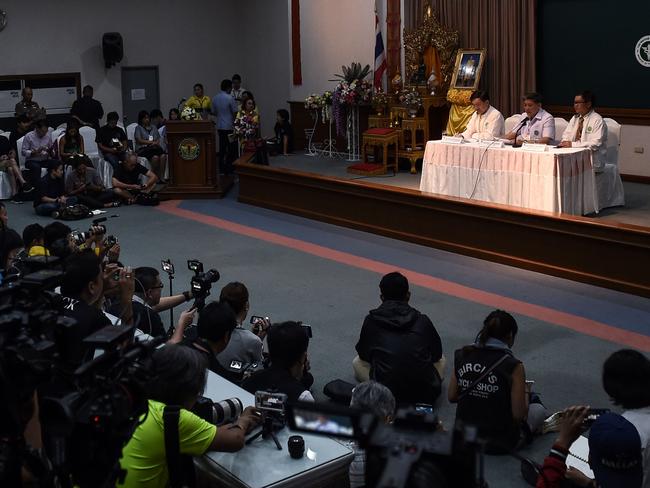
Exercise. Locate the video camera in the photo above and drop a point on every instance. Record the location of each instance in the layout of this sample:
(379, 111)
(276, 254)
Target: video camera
(413, 451)
(272, 405)
(97, 228)
(255, 320)
(88, 415)
(201, 282)
(86, 429)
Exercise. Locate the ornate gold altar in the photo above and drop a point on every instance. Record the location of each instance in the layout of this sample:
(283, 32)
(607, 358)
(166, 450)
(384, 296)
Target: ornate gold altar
(430, 52)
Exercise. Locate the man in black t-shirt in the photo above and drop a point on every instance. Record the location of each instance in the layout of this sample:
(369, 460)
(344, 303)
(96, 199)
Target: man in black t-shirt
(126, 179)
(288, 343)
(23, 126)
(51, 191)
(212, 334)
(87, 110)
(112, 141)
(83, 290)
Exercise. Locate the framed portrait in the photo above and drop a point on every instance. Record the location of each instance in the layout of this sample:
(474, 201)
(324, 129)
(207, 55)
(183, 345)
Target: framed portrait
(467, 71)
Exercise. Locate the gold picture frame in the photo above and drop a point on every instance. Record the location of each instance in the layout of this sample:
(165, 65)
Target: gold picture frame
(468, 69)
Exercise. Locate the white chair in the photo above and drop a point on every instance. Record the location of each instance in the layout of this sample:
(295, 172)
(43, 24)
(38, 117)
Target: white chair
(90, 145)
(58, 132)
(560, 126)
(19, 150)
(130, 133)
(512, 121)
(63, 126)
(609, 186)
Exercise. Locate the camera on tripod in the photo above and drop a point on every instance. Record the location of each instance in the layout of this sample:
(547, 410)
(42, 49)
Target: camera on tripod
(413, 447)
(272, 405)
(97, 228)
(201, 282)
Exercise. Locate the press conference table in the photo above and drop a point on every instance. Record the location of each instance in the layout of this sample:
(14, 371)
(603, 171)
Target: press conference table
(260, 464)
(556, 180)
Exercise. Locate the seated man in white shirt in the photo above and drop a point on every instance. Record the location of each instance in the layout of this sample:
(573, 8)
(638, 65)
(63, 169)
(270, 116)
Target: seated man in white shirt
(587, 129)
(487, 123)
(536, 124)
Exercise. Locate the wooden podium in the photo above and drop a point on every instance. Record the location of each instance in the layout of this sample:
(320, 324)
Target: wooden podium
(192, 159)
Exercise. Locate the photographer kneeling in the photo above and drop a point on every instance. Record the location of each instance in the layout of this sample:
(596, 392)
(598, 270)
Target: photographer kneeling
(181, 378)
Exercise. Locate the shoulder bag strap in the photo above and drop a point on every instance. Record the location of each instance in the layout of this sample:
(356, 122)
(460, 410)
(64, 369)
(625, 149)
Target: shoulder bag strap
(171, 416)
(480, 378)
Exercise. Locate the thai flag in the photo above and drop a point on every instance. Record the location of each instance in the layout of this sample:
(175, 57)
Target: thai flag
(380, 55)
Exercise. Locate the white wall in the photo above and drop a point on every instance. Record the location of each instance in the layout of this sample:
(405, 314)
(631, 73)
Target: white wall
(630, 162)
(332, 33)
(190, 41)
(266, 70)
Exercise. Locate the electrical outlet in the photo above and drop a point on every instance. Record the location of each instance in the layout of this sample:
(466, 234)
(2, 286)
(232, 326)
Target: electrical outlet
(638, 149)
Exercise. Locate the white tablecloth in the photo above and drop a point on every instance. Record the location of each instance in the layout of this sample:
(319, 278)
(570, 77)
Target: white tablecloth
(557, 180)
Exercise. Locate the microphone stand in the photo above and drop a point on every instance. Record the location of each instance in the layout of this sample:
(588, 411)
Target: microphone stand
(521, 126)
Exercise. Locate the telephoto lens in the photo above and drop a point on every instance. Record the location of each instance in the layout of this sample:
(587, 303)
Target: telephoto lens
(296, 446)
(218, 413)
(227, 411)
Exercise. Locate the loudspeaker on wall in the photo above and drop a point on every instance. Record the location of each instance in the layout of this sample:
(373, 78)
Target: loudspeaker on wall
(112, 48)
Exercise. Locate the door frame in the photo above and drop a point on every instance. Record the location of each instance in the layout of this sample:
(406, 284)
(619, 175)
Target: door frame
(156, 68)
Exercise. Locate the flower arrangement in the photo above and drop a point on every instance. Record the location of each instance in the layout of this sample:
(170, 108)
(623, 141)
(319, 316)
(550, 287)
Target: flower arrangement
(246, 125)
(380, 101)
(189, 113)
(348, 94)
(410, 99)
(313, 102)
(326, 106)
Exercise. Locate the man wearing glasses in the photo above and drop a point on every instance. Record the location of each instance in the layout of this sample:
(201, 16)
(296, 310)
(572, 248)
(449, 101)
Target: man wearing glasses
(587, 129)
(147, 302)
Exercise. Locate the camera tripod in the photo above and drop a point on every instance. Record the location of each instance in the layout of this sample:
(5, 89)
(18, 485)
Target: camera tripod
(270, 426)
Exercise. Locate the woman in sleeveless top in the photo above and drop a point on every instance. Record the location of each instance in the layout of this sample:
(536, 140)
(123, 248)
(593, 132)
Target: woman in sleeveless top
(499, 404)
(71, 146)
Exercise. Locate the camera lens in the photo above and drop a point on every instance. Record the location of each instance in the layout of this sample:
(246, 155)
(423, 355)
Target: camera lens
(296, 446)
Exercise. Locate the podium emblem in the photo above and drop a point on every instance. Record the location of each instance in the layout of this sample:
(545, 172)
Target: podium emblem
(189, 149)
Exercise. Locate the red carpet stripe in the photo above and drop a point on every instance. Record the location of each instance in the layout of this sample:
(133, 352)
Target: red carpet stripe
(562, 319)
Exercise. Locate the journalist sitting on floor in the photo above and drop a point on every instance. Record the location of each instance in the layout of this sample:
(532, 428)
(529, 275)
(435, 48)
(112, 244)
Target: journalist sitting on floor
(489, 385)
(399, 346)
(288, 343)
(245, 346)
(212, 334)
(148, 303)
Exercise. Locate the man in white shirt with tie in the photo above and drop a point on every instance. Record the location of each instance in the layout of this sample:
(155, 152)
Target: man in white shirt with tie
(587, 129)
(486, 123)
(536, 124)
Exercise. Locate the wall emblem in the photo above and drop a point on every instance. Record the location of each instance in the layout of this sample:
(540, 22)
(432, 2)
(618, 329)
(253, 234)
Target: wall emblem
(642, 51)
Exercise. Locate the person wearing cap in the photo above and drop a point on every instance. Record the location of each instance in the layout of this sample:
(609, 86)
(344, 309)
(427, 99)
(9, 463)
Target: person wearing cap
(626, 379)
(614, 453)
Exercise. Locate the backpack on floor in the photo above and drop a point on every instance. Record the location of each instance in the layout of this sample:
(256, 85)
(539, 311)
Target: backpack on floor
(147, 199)
(73, 212)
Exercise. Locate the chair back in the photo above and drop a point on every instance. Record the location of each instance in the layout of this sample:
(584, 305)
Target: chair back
(511, 122)
(560, 126)
(19, 151)
(130, 133)
(63, 126)
(90, 146)
(56, 133)
(613, 140)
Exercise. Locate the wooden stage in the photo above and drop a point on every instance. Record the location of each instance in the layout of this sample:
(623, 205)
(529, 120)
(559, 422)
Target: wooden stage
(612, 255)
